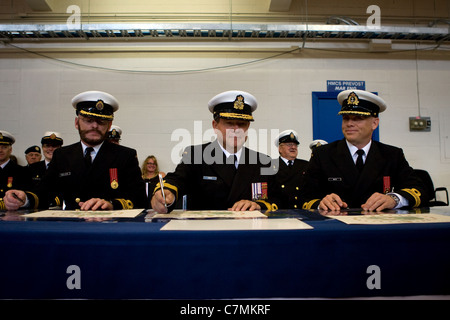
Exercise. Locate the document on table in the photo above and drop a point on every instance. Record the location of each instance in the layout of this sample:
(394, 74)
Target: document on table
(208, 214)
(235, 224)
(132, 213)
(393, 218)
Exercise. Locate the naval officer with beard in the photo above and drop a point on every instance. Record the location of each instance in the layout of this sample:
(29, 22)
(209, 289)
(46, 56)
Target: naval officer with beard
(91, 174)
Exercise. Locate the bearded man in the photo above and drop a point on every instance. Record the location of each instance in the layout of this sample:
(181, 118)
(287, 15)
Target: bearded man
(92, 174)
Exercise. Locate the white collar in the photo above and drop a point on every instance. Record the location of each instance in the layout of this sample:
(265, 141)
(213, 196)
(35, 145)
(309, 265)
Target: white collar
(286, 160)
(3, 165)
(353, 148)
(227, 154)
(93, 153)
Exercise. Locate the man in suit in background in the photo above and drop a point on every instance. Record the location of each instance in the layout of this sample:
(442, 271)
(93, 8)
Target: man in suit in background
(92, 174)
(222, 174)
(290, 171)
(357, 172)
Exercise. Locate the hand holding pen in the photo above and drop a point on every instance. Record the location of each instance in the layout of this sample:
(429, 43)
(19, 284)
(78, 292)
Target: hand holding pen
(161, 198)
(14, 199)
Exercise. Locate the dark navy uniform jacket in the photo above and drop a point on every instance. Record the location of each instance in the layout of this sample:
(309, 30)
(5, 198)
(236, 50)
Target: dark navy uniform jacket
(288, 180)
(332, 170)
(69, 175)
(13, 176)
(211, 184)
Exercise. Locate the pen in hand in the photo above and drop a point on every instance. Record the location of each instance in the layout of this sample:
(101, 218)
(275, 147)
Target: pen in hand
(161, 182)
(17, 198)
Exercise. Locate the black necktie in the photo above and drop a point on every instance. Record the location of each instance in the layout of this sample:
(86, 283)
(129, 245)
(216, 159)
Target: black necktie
(290, 163)
(87, 156)
(232, 160)
(359, 160)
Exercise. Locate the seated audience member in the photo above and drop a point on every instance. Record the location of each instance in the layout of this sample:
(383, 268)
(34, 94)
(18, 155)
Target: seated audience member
(114, 134)
(317, 143)
(12, 175)
(50, 142)
(290, 170)
(150, 174)
(33, 154)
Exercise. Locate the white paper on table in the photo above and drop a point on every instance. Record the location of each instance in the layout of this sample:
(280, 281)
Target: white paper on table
(131, 213)
(236, 224)
(206, 214)
(393, 218)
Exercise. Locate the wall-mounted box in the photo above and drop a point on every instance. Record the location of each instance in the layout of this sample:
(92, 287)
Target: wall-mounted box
(419, 124)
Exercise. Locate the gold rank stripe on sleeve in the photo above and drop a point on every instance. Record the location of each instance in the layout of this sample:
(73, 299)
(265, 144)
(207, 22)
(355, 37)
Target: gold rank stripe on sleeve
(35, 198)
(415, 194)
(270, 207)
(57, 201)
(167, 186)
(2, 204)
(126, 204)
(308, 205)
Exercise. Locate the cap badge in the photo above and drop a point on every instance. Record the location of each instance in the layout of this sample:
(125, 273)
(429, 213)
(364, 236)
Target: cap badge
(239, 102)
(292, 136)
(52, 136)
(37, 149)
(99, 105)
(352, 99)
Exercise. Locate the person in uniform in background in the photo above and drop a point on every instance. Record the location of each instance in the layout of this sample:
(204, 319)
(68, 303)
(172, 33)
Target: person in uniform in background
(290, 170)
(12, 175)
(358, 172)
(50, 142)
(114, 134)
(316, 143)
(33, 155)
(91, 174)
(222, 174)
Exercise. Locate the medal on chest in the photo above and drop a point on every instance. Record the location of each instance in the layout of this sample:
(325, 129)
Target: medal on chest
(113, 178)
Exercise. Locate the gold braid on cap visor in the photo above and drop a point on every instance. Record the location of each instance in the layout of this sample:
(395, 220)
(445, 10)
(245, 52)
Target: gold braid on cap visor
(91, 114)
(361, 113)
(236, 116)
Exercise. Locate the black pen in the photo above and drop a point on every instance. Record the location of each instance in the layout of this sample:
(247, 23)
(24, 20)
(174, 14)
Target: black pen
(16, 197)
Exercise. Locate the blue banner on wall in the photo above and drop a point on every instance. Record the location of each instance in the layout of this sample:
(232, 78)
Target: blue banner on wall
(341, 85)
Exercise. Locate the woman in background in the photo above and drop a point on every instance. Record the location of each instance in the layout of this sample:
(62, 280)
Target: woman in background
(150, 174)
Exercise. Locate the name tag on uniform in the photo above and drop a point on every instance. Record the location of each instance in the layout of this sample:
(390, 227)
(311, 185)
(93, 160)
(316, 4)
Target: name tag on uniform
(334, 179)
(65, 174)
(209, 178)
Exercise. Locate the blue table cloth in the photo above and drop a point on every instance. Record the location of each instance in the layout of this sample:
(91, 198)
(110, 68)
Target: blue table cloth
(136, 260)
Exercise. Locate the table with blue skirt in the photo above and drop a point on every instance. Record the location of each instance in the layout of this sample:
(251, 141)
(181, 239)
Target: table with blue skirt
(135, 259)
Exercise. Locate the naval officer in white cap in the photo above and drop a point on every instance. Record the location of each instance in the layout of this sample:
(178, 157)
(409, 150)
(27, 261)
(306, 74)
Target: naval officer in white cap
(115, 134)
(222, 174)
(12, 175)
(358, 172)
(290, 170)
(92, 174)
